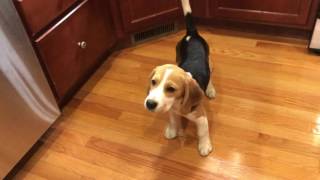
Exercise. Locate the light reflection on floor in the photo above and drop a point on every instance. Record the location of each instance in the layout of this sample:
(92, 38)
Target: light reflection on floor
(316, 130)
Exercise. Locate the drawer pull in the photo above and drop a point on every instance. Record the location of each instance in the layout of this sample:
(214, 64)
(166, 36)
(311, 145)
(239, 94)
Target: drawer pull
(82, 44)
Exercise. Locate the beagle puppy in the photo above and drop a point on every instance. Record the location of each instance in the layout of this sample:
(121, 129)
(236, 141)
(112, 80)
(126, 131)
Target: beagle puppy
(179, 89)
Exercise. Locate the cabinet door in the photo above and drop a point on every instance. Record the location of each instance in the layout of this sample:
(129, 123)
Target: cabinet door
(39, 13)
(140, 14)
(281, 12)
(99, 33)
(71, 47)
(201, 8)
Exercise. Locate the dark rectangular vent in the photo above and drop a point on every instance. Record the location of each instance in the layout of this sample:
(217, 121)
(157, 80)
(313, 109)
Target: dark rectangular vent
(155, 32)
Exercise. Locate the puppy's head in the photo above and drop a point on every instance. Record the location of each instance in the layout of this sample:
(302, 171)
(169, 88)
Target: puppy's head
(170, 85)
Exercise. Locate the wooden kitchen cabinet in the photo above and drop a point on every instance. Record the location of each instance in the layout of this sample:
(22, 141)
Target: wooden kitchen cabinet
(74, 45)
(71, 36)
(286, 13)
(140, 14)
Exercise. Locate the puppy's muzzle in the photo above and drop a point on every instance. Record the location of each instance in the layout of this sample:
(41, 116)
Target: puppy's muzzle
(151, 105)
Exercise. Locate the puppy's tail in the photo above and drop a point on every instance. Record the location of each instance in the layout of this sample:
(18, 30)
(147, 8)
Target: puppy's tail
(191, 28)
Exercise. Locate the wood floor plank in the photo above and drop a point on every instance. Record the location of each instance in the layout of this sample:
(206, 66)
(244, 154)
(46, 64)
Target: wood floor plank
(47, 170)
(110, 161)
(27, 175)
(279, 116)
(274, 158)
(180, 156)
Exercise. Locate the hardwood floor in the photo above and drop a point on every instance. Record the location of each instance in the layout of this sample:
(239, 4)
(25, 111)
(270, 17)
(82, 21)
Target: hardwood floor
(262, 120)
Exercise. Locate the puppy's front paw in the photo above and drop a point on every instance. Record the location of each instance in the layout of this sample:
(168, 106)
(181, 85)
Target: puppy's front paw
(205, 147)
(170, 132)
(211, 92)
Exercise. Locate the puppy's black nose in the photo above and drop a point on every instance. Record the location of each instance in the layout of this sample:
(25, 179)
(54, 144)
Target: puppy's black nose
(151, 104)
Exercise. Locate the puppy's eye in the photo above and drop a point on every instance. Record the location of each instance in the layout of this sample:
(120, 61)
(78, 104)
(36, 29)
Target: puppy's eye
(170, 89)
(153, 82)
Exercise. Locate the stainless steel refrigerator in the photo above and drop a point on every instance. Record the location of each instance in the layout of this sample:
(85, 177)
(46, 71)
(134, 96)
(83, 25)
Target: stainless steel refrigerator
(27, 106)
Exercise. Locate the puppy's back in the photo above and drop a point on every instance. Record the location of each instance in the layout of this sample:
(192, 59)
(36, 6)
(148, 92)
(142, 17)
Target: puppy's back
(192, 51)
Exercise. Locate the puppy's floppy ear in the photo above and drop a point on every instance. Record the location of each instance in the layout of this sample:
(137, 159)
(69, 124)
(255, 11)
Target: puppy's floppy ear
(150, 77)
(192, 95)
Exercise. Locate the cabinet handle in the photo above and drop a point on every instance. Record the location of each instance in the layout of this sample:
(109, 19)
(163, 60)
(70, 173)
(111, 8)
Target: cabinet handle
(82, 44)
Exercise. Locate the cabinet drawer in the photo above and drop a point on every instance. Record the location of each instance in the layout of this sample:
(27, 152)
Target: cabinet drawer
(39, 13)
(140, 14)
(60, 48)
(281, 12)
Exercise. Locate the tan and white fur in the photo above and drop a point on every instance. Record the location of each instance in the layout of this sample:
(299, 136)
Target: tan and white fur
(183, 101)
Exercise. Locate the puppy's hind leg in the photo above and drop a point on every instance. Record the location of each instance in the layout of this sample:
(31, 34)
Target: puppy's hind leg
(210, 91)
